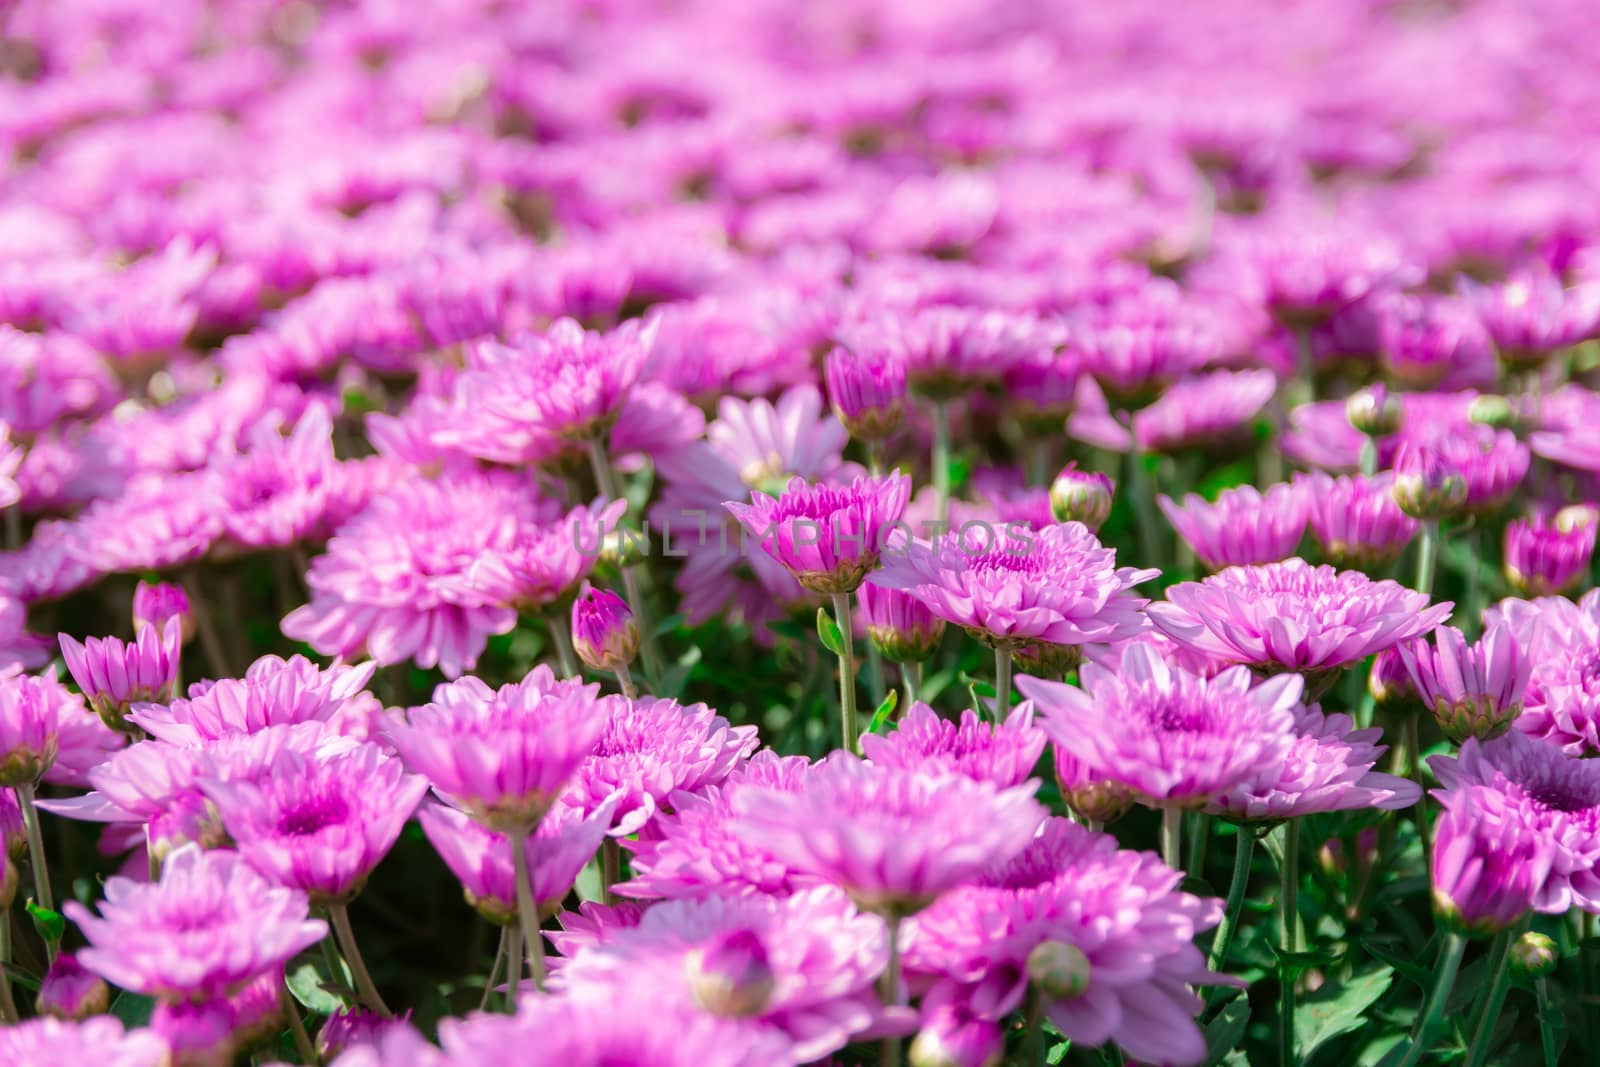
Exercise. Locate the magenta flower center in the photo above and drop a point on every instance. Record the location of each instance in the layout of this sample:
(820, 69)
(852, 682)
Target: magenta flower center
(313, 814)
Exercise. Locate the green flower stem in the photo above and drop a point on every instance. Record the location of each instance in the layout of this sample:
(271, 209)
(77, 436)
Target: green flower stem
(1499, 984)
(302, 1042)
(1369, 456)
(610, 868)
(847, 671)
(205, 626)
(562, 643)
(911, 678)
(875, 682)
(1002, 682)
(514, 966)
(625, 681)
(8, 1006)
(889, 990)
(1144, 510)
(941, 459)
(1035, 1050)
(1243, 853)
(1427, 555)
(1547, 1037)
(41, 871)
(494, 968)
(527, 914)
(1414, 764)
(607, 481)
(1444, 980)
(1288, 934)
(351, 952)
(1171, 837)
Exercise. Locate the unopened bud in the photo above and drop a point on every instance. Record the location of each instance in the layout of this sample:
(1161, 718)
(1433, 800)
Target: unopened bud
(1533, 955)
(731, 975)
(71, 992)
(868, 391)
(154, 604)
(1046, 660)
(1059, 970)
(1374, 410)
(1425, 488)
(1081, 496)
(604, 633)
(1490, 410)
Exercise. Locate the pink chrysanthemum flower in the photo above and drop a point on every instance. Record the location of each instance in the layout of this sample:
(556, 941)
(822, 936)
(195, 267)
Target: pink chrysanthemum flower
(828, 537)
(604, 633)
(1014, 587)
(1174, 738)
(1532, 316)
(867, 388)
(1355, 519)
(209, 927)
(159, 522)
(31, 710)
(319, 825)
(1486, 873)
(351, 1028)
(953, 1037)
(1003, 754)
(547, 557)
(99, 1040)
(898, 624)
(71, 992)
(1492, 462)
(1550, 794)
(113, 675)
(272, 692)
(401, 580)
(1473, 690)
(155, 603)
(1549, 555)
(753, 444)
(894, 839)
(1328, 767)
(802, 965)
(651, 748)
(1204, 411)
(281, 491)
(557, 851)
(1242, 526)
(1074, 894)
(695, 849)
(1291, 616)
(503, 755)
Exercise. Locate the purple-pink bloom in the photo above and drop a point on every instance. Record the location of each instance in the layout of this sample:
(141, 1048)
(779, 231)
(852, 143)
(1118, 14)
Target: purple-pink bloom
(71, 992)
(1291, 616)
(829, 537)
(155, 603)
(952, 1037)
(1547, 555)
(1473, 690)
(1357, 524)
(1004, 754)
(557, 851)
(898, 624)
(1243, 525)
(350, 1028)
(1081, 496)
(803, 965)
(867, 388)
(1173, 738)
(1531, 316)
(650, 748)
(205, 930)
(1486, 873)
(272, 692)
(319, 824)
(113, 675)
(1017, 586)
(1204, 411)
(1328, 767)
(1118, 909)
(99, 1040)
(894, 839)
(31, 710)
(503, 755)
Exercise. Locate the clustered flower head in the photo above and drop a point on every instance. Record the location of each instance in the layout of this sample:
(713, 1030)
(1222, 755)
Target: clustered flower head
(828, 537)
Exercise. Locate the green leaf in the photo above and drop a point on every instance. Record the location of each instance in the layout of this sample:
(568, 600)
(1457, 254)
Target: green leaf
(49, 923)
(1404, 965)
(314, 988)
(880, 718)
(828, 631)
(1310, 960)
(1223, 1032)
(1339, 1007)
(133, 1009)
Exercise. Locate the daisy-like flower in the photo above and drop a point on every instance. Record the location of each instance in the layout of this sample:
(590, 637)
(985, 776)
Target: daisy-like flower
(547, 558)
(828, 537)
(503, 755)
(159, 522)
(1242, 526)
(802, 965)
(1328, 767)
(209, 927)
(401, 580)
(481, 859)
(893, 839)
(1549, 555)
(1173, 738)
(1492, 462)
(113, 675)
(280, 491)
(1004, 754)
(1486, 873)
(1291, 616)
(650, 748)
(1550, 794)
(1073, 894)
(273, 692)
(1473, 690)
(1355, 519)
(319, 825)
(1562, 702)
(695, 849)
(1532, 316)
(1014, 587)
(99, 1040)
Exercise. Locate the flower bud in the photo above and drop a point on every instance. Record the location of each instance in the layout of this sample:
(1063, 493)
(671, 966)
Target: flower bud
(71, 992)
(1043, 659)
(731, 975)
(868, 391)
(623, 547)
(1059, 970)
(1533, 955)
(154, 604)
(949, 1038)
(199, 1034)
(1425, 488)
(604, 633)
(899, 626)
(1389, 682)
(1374, 410)
(1081, 496)
(352, 1027)
(1490, 410)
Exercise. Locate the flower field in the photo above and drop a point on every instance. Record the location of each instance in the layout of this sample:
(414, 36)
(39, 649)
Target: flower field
(693, 533)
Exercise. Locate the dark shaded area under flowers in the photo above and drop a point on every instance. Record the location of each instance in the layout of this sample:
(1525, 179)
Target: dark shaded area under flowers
(1130, 473)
